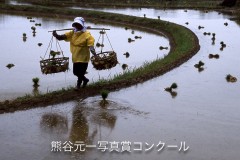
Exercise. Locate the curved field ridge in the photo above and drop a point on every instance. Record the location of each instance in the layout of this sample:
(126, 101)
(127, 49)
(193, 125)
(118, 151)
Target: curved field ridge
(184, 44)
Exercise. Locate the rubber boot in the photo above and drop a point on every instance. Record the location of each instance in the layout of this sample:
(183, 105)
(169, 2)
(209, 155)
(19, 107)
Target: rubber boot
(85, 82)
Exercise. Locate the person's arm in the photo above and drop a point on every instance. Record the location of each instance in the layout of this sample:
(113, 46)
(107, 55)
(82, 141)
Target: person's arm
(59, 37)
(92, 50)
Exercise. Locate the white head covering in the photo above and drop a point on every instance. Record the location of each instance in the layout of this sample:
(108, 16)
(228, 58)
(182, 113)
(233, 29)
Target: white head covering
(80, 21)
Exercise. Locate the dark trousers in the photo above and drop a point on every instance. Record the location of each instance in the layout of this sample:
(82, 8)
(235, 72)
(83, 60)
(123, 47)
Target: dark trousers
(79, 70)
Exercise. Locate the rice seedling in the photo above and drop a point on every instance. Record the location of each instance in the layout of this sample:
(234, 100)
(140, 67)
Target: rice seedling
(33, 28)
(213, 56)
(130, 40)
(104, 94)
(24, 37)
(223, 44)
(173, 86)
(161, 48)
(199, 65)
(38, 24)
(126, 54)
(200, 69)
(35, 81)
(10, 65)
(53, 53)
(231, 78)
(200, 27)
(124, 66)
(133, 32)
(138, 37)
(173, 94)
(226, 24)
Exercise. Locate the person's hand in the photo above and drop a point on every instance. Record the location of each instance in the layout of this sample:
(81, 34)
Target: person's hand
(93, 50)
(54, 33)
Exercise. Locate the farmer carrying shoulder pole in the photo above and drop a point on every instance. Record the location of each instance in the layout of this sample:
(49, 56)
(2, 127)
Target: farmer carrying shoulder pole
(81, 43)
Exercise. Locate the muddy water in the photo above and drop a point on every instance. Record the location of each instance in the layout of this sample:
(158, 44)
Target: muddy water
(17, 81)
(204, 114)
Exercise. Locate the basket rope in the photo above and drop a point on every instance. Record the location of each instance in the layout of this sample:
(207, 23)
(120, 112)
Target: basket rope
(102, 42)
(50, 44)
(109, 41)
(52, 64)
(58, 47)
(106, 59)
(102, 39)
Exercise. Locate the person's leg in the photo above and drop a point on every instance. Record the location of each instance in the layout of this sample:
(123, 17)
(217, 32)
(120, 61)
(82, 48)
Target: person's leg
(76, 72)
(79, 69)
(84, 69)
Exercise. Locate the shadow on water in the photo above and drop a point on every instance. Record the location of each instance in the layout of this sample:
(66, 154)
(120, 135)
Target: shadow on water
(54, 123)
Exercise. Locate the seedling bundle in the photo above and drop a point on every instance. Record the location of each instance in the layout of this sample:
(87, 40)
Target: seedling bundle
(104, 59)
(54, 64)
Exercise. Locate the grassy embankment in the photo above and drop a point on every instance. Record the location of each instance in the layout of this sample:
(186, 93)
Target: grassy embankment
(184, 44)
(133, 3)
(164, 4)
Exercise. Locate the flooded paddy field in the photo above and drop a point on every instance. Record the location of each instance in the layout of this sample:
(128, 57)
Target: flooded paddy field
(17, 81)
(202, 114)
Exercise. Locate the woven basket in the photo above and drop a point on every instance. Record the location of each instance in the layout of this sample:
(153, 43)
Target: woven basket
(104, 60)
(54, 65)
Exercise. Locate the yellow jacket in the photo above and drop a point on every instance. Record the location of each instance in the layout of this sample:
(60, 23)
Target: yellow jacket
(79, 45)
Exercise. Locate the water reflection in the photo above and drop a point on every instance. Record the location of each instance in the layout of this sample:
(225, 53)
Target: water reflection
(173, 94)
(80, 127)
(35, 91)
(88, 127)
(54, 123)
